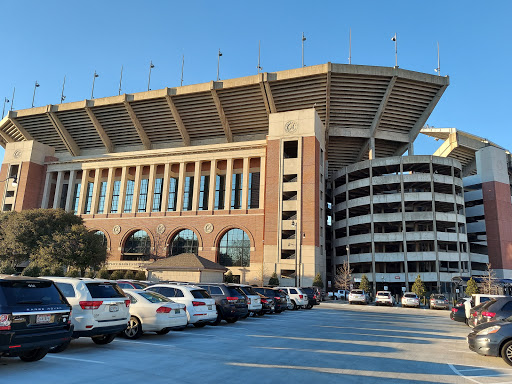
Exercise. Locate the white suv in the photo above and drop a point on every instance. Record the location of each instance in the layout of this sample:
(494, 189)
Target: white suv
(298, 298)
(100, 308)
(200, 306)
(253, 299)
(358, 296)
(384, 298)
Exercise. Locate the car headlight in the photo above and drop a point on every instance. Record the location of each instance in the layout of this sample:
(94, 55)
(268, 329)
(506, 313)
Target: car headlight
(486, 331)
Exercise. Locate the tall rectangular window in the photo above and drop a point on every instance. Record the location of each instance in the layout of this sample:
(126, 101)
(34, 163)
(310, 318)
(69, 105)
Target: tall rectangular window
(88, 198)
(254, 190)
(143, 195)
(128, 200)
(173, 194)
(203, 193)
(103, 194)
(157, 195)
(220, 186)
(115, 196)
(63, 196)
(236, 191)
(76, 197)
(188, 193)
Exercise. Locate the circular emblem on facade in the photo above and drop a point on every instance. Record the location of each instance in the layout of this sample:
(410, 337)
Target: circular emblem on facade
(116, 229)
(17, 154)
(290, 126)
(160, 229)
(208, 227)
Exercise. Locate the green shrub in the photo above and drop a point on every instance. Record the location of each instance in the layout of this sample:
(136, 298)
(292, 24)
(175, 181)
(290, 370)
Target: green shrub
(90, 273)
(129, 275)
(103, 274)
(140, 275)
(58, 270)
(7, 268)
(73, 273)
(117, 275)
(32, 270)
(273, 281)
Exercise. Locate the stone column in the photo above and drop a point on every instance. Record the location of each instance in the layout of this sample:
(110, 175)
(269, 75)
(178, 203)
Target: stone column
(245, 183)
(83, 190)
(46, 191)
(136, 188)
(122, 189)
(196, 186)
(151, 187)
(71, 190)
(58, 189)
(181, 183)
(229, 181)
(211, 190)
(96, 191)
(165, 187)
(108, 194)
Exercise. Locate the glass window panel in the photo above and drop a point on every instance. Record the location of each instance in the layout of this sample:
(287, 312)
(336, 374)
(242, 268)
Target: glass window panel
(128, 200)
(220, 185)
(184, 242)
(173, 194)
(157, 195)
(103, 193)
(88, 197)
(143, 195)
(203, 193)
(115, 196)
(188, 193)
(76, 196)
(235, 249)
(138, 243)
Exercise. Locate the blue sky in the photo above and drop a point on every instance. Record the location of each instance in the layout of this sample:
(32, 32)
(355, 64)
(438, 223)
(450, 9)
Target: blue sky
(44, 41)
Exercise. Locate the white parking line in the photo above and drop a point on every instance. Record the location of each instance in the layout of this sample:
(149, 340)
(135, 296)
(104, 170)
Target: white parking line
(462, 375)
(143, 342)
(70, 358)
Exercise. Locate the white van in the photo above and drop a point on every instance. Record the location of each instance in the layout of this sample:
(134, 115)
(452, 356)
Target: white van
(298, 298)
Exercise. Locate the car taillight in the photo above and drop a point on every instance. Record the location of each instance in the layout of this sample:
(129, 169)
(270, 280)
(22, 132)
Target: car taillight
(164, 310)
(314, 297)
(474, 314)
(5, 322)
(232, 299)
(488, 314)
(248, 300)
(301, 296)
(90, 304)
(454, 310)
(127, 302)
(198, 303)
(264, 301)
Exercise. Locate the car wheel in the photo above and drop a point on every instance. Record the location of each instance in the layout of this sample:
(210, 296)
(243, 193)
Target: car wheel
(34, 355)
(279, 311)
(294, 305)
(309, 306)
(179, 329)
(232, 320)
(506, 352)
(103, 339)
(218, 319)
(134, 329)
(260, 313)
(199, 325)
(59, 348)
(164, 331)
(246, 316)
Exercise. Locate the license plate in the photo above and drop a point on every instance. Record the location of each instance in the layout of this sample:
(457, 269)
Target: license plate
(43, 319)
(176, 311)
(113, 308)
(209, 307)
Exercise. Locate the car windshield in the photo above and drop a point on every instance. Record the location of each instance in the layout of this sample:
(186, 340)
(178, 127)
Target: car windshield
(153, 297)
(235, 291)
(200, 294)
(248, 290)
(482, 305)
(438, 297)
(383, 294)
(104, 290)
(31, 292)
(410, 295)
(359, 292)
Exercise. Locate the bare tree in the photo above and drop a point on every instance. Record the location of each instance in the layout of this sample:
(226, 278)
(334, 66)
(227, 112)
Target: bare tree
(490, 284)
(343, 277)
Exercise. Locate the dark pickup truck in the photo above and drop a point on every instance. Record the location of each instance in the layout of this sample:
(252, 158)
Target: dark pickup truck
(34, 316)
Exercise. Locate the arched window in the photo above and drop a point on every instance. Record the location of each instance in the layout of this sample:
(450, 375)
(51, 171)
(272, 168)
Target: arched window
(137, 246)
(104, 238)
(235, 249)
(184, 242)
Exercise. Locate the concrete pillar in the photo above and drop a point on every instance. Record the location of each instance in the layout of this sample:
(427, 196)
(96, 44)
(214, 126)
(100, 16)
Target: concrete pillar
(196, 186)
(122, 189)
(151, 187)
(404, 225)
(136, 188)
(58, 189)
(181, 183)
(229, 181)
(245, 182)
(410, 149)
(165, 187)
(83, 190)
(96, 191)
(211, 190)
(71, 190)
(371, 148)
(108, 193)
(46, 191)
(434, 225)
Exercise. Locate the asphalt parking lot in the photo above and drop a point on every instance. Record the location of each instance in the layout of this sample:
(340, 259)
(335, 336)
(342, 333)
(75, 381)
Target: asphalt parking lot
(349, 344)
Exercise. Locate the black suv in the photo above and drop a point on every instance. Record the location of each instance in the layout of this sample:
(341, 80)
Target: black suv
(34, 316)
(279, 298)
(312, 299)
(230, 301)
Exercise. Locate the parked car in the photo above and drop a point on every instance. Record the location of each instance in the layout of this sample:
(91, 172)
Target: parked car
(253, 299)
(231, 304)
(477, 300)
(152, 312)
(34, 316)
(340, 294)
(199, 305)
(439, 301)
(475, 312)
(298, 299)
(458, 312)
(267, 305)
(358, 296)
(100, 308)
(498, 309)
(132, 284)
(278, 297)
(493, 339)
(410, 299)
(312, 298)
(384, 298)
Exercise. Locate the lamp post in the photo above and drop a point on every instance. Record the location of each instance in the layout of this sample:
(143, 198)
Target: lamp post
(93, 81)
(347, 247)
(14, 180)
(36, 85)
(303, 40)
(218, 64)
(294, 224)
(151, 66)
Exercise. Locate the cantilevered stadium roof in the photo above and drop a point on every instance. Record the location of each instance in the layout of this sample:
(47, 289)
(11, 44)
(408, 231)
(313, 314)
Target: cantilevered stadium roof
(356, 103)
(459, 145)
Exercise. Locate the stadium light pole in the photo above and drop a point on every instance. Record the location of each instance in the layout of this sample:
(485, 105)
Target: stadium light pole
(36, 85)
(218, 64)
(93, 81)
(151, 66)
(303, 40)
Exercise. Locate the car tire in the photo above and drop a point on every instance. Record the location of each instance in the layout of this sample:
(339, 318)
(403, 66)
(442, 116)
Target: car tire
(103, 339)
(164, 331)
(33, 355)
(279, 311)
(59, 348)
(506, 352)
(134, 329)
(179, 329)
(232, 320)
(199, 325)
(294, 305)
(218, 319)
(246, 316)
(309, 306)
(260, 313)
